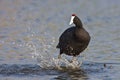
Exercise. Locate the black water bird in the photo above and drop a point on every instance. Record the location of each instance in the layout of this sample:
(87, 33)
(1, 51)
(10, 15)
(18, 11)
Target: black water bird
(73, 40)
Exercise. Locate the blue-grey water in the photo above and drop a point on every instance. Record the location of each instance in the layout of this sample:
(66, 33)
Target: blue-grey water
(29, 32)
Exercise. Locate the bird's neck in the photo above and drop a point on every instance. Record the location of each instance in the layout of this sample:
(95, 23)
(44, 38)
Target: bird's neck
(79, 25)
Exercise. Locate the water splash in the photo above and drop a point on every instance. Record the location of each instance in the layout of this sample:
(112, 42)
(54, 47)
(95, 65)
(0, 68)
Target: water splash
(43, 49)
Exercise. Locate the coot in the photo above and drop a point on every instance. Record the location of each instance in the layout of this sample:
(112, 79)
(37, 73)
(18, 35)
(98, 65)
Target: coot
(74, 40)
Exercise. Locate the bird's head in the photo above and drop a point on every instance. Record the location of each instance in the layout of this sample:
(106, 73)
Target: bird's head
(72, 19)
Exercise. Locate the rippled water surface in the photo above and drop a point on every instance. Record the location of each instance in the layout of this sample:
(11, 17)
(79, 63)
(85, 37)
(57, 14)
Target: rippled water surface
(29, 32)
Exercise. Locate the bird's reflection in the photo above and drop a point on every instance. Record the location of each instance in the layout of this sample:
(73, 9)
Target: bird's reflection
(72, 74)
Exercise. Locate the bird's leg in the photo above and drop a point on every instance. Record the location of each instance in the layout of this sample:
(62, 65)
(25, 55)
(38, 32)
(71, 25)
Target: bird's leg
(59, 56)
(58, 63)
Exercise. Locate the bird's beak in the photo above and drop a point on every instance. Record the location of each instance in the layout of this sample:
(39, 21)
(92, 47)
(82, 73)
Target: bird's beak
(71, 20)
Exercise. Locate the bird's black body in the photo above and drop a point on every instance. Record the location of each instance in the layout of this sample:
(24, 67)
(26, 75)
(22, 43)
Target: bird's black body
(74, 40)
